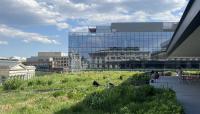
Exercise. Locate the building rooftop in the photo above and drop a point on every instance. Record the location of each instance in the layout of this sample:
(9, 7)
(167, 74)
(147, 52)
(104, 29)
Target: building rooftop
(8, 63)
(144, 26)
(4, 64)
(52, 54)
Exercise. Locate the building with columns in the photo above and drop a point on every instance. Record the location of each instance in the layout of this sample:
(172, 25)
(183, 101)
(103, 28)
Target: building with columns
(15, 70)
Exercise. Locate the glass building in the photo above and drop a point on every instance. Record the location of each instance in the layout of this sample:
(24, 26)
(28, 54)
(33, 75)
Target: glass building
(122, 45)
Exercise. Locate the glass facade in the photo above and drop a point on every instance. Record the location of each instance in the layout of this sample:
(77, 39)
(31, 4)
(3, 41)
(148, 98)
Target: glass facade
(145, 41)
(103, 48)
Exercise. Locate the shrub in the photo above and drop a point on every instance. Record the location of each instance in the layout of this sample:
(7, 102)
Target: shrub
(40, 82)
(129, 100)
(50, 82)
(96, 101)
(80, 79)
(139, 80)
(125, 110)
(143, 93)
(168, 73)
(30, 83)
(12, 84)
(78, 108)
(27, 110)
(70, 94)
(191, 73)
(64, 80)
(58, 93)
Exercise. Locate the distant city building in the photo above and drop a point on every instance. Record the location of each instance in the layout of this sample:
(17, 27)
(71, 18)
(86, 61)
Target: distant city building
(14, 58)
(109, 47)
(15, 70)
(51, 61)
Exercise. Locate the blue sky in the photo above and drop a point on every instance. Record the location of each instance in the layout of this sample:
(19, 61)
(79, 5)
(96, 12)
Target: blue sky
(29, 26)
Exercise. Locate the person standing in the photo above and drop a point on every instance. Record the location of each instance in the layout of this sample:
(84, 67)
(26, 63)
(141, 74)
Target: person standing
(179, 72)
(156, 75)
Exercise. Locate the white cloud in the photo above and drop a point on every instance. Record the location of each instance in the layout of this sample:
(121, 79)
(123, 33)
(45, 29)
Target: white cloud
(3, 43)
(30, 12)
(79, 29)
(87, 12)
(62, 25)
(9, 32)
(94, 12)
(165, 16)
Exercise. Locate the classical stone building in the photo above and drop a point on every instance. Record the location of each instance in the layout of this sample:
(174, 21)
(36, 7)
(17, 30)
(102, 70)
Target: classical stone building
(15, 69)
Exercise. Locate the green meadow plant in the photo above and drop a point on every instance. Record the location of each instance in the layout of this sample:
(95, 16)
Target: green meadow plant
(74, 93)
(12, 84)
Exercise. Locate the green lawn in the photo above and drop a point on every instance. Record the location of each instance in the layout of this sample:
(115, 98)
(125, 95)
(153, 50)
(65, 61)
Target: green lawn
(74, 93)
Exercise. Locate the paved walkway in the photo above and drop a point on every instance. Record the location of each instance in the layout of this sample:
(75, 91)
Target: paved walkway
(187, 92)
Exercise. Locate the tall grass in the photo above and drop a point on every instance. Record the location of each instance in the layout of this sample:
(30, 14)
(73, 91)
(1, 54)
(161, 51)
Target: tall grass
(12, 84)
(74, 93)
(128, 99)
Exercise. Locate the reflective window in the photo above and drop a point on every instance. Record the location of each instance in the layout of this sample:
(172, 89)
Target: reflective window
(113, 47)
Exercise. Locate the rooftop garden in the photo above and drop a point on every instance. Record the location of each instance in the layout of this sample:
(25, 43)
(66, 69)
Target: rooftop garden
(105, 92)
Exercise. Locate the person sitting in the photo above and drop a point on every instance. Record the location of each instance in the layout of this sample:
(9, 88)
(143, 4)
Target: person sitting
(152, 76)
(157, 75)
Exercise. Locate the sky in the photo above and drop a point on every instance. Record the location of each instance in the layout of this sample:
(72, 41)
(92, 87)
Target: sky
(29, 26)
